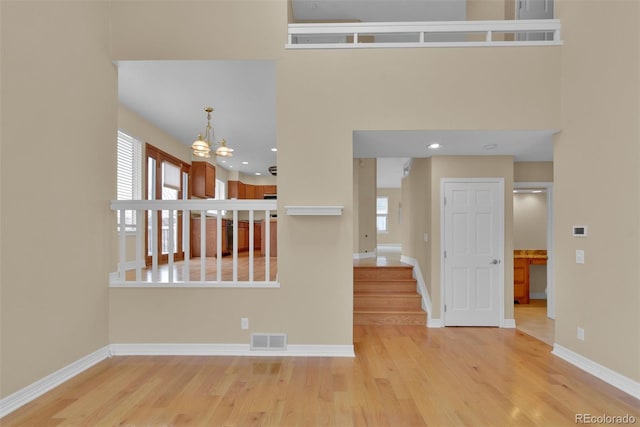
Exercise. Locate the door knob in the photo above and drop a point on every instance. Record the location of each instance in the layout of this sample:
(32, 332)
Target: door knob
(495, 261)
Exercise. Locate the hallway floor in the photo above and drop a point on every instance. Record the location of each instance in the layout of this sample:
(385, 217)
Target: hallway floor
(532, 320)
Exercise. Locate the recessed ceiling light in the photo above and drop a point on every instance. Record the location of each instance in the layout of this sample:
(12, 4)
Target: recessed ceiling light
(245, 163)
(274, 149)
(490, 146)
(223, 161)
(258, 173)
(434, 146)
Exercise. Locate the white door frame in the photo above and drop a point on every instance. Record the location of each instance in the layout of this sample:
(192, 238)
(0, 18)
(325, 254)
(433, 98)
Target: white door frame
(551, 288)
(500, 182)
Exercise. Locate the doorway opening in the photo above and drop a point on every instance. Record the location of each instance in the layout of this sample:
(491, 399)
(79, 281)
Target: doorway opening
(533, 235)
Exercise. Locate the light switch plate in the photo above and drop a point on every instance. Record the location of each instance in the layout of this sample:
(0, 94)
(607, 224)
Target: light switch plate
(579, 256)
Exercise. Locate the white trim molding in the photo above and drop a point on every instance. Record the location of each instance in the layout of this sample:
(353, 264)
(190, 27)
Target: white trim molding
(422, 290)
(364, 255)
(168, 349)
(38, 388)
(508, 323)
(607, 375)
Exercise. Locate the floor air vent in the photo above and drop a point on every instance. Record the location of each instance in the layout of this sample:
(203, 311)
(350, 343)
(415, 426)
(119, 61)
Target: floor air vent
(268, 341)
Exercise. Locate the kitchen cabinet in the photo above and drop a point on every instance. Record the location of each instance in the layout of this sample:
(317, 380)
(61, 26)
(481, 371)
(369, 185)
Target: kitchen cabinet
(243, 236)
(240, 190)
(259, 192)
(211, 236)
(273, 238)
(522, 259)
(257, 238)
(203, 180)
(232, 189)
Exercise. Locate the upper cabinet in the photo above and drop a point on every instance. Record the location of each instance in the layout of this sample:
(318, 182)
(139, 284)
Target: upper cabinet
(203, 180)
(240, 190)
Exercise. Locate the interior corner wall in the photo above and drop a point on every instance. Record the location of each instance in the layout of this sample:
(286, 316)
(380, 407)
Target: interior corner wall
(59, 86)
(597, 184)
(367, 228)
(471, 167)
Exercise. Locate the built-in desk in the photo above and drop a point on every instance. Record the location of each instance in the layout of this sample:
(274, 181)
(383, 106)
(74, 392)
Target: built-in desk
(522, 259)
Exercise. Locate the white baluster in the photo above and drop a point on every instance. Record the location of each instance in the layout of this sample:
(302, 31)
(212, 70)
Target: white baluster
(123, 245)
(219, 232)
(267, 242)
(235, 245)
(251, 231)
(139, 246)
(203, 245)
(170, 244)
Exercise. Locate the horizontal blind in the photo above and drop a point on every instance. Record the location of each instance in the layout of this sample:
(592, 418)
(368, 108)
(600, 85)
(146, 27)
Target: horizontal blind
(129, 174)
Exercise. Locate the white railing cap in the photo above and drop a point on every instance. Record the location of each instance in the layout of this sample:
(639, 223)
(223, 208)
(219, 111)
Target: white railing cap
(195, 205)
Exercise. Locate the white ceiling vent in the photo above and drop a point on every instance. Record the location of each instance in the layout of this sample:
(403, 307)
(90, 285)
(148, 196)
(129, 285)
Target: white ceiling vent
(268, 341)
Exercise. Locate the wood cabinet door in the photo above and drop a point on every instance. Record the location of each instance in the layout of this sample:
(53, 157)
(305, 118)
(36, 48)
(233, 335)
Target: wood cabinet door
(270, 189)
(203, 180)
(242, 190)
(250, 191)
(259, 192)
(521, 280)
(232, 189)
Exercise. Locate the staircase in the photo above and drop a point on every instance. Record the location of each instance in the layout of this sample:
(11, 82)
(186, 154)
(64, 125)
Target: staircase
(386, 296)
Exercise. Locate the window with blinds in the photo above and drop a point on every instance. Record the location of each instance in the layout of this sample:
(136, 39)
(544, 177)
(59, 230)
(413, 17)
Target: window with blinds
(129, 170)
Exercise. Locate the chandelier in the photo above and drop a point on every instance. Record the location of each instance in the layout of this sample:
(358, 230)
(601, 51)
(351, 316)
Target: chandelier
(202, 146)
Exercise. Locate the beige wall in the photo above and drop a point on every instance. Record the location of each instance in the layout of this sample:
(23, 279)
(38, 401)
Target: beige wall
(366, 199)
(597, 183)
(58, 234)
(416, 87)
(416, 215)
(471, 167)
(394, 222)
(533, 172)
(136, 126)
(530, 221)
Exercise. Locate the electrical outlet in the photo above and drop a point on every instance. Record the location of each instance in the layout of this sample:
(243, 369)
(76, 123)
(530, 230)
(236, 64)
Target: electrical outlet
(244, 323)
(581, 334)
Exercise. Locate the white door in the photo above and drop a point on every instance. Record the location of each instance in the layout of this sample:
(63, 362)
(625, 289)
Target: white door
(534, 9)
(473, 252)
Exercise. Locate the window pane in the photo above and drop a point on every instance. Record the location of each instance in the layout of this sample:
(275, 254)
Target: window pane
(382, 205)
(381, 222)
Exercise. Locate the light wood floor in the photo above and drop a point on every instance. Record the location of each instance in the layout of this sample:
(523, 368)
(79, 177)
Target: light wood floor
(211, 268)
(532, 319)
(402, 376)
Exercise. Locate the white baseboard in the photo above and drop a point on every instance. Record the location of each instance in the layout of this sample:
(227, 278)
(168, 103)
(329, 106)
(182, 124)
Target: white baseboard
(422, 290)
(509, 323)
(605, 374)
(365, 255)
(434, 323)
(297, 350)
(38, 388)
(389, 247)
(537, 295)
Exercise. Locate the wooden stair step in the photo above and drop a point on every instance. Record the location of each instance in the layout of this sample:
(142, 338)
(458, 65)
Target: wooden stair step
(387, 302)
(389, 318)
(384, 286)
(382, 273)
